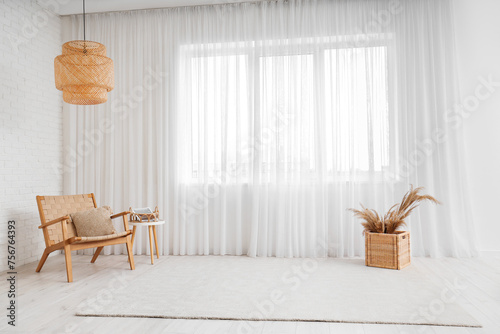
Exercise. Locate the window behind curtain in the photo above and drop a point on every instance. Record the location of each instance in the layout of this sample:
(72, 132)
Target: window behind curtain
(356, 107)
(324, 110)
(220, 120)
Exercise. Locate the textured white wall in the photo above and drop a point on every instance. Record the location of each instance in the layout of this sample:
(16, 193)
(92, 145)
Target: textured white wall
(478, 46)
(30, 122)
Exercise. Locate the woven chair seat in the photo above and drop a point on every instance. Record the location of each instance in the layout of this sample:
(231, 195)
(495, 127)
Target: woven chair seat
(99, 238)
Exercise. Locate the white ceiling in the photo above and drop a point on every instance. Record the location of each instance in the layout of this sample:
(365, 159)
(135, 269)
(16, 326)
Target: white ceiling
(68, 7)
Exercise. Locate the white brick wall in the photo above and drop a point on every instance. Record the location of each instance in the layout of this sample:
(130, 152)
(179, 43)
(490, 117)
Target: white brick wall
(30, 122)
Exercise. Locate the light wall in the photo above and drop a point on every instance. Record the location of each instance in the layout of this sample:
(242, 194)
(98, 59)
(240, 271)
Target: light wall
(478, 46)
(30, 122)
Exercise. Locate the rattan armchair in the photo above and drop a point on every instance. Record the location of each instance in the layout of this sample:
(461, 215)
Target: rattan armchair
(60, 233)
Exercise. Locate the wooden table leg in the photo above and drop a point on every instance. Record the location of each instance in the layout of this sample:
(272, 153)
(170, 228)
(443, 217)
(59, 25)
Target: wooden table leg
(156, 242)
(150, 243)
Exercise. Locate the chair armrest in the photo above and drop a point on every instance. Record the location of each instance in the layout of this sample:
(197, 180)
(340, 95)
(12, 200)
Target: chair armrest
(123, 214)
(52, 222)
(120, 214)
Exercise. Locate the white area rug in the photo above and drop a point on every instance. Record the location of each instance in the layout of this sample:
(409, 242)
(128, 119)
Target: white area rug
(333, 290)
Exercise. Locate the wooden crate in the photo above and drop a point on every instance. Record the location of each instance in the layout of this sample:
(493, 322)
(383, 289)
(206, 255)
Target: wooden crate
(391, 251)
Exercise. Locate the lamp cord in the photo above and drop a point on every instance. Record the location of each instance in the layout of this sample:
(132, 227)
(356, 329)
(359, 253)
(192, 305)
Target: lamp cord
(84, 20)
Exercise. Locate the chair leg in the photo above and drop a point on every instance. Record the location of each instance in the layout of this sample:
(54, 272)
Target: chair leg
(133, 235)
(156, 242)
(69, 268)
(42, 260)
(96, 254)
(130, 254)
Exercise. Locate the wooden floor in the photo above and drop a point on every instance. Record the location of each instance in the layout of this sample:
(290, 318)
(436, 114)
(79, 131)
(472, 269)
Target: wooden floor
(46, 303)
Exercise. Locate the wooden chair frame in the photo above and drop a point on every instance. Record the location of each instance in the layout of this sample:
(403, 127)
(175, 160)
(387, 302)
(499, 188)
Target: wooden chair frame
(68, 241)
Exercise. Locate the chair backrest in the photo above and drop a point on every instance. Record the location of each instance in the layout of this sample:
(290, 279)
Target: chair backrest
(52, 207)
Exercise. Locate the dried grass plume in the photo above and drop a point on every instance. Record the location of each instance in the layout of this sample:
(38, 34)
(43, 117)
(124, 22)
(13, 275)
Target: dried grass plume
(395, 217)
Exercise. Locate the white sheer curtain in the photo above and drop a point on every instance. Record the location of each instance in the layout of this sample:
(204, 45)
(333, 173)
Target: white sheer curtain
(255, 126)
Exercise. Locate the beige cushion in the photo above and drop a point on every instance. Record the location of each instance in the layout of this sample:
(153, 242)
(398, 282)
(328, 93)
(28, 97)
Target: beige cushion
(108, 208)
(93, 223)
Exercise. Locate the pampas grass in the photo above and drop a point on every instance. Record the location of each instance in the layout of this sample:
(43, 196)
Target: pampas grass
(395, 217)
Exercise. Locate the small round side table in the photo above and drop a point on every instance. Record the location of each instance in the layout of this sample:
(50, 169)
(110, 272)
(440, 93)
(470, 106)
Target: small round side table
(152, 228)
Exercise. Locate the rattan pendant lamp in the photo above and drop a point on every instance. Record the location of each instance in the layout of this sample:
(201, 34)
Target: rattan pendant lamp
(83, 72)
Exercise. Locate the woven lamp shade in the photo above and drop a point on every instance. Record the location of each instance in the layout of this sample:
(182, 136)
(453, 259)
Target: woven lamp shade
(84, 73)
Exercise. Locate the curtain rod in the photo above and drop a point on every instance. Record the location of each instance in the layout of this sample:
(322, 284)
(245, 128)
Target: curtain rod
(174, 7)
